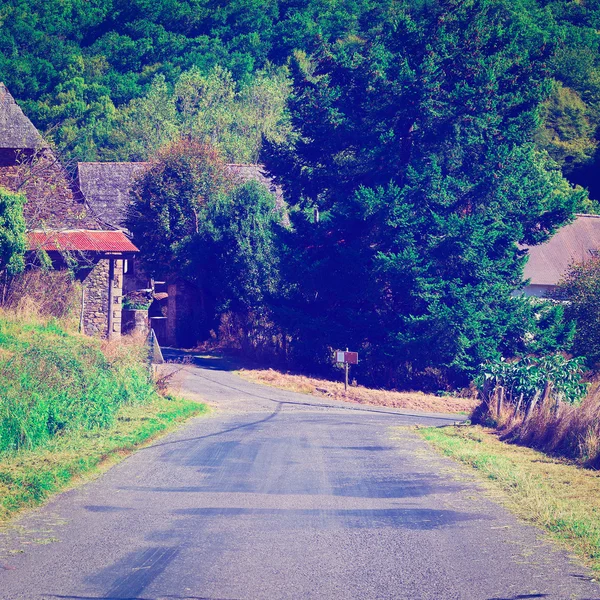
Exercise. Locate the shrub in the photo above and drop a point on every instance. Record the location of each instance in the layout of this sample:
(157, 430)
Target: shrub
(580, 289)
(526, 382)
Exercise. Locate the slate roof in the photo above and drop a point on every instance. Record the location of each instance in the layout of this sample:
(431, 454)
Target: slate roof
(106, 185)
(573, 243)
(257, 173)
(16, 130)
(80, 241)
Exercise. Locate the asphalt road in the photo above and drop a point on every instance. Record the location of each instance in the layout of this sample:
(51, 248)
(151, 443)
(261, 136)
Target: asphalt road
(283, 496)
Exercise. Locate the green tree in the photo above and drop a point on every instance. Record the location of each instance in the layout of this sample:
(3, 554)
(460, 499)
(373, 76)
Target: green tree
(192, 220)
(167, 201)
(234, 257)
(580, 290)
(415, 141)
(13, 242)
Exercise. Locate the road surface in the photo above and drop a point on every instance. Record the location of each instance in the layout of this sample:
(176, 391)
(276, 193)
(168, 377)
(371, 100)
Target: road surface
(283, 496)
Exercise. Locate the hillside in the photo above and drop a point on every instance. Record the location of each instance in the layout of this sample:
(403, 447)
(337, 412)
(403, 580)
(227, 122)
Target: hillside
(93, 73)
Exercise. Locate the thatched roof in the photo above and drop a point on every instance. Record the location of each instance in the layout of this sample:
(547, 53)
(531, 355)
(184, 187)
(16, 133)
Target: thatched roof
(573, 243)
(16, 130)
(106, 185)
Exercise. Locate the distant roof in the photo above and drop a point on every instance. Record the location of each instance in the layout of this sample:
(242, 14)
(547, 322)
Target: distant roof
(16, 130)
(257, 173)
(80, 241)
(573, 243)
(106, 185)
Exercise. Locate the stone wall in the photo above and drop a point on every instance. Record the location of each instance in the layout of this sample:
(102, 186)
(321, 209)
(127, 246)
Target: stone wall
(95, 310)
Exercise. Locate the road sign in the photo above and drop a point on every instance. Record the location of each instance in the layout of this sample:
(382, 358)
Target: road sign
(346, 357)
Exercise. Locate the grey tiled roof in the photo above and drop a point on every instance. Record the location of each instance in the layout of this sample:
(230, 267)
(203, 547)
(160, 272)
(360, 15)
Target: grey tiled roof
(257, 173)
(16, 130)
(573, 243)
(106, 185)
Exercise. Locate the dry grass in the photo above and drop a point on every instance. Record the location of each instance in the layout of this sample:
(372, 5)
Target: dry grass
(572, 432)
(552, 493)
(360, 395)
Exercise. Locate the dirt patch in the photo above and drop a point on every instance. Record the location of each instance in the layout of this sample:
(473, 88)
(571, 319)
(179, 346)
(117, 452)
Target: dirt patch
(360, 395)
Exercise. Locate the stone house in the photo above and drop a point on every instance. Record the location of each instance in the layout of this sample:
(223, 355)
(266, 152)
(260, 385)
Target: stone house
(571, 244)
(61, 222)
(82, 217)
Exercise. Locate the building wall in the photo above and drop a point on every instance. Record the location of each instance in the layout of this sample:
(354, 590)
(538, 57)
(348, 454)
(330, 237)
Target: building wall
(185, 315)
(538, 291)
(95, 309)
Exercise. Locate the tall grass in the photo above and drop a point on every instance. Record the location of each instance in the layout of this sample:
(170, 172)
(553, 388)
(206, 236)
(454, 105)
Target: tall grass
(567, 430)
(572, 432)
(53, 381)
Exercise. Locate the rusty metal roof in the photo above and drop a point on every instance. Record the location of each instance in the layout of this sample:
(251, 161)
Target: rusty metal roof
(573, 243)
(80, 241)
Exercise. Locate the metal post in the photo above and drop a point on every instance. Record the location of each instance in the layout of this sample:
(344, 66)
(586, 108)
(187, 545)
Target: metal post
(111, 285)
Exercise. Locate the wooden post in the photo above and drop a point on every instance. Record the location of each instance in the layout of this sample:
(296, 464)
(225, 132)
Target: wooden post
(499, 400)
(346, 367)
(111, 285)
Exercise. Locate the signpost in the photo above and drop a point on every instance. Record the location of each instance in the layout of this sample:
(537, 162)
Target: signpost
(347, 358)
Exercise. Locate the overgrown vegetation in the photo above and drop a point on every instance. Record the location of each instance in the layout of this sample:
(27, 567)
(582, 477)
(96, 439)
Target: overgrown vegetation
(67, 403)
(192, 220)
(52, 381)
(12, 233)
(579, 290)
(558, 496)
(544, 403)
(108, 77)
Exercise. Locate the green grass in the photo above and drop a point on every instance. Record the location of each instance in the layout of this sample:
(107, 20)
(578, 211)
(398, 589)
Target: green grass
(70, 404)
(28, 477)
(556, 495)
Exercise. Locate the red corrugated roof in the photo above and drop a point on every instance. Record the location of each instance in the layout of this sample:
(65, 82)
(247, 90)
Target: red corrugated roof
(80, 241)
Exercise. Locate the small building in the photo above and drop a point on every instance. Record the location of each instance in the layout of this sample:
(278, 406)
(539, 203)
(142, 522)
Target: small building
(61, 222)
(574, 243)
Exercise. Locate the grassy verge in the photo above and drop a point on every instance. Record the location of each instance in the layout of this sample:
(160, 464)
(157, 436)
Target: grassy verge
(358, 394)
(28, 477)
(554, 494)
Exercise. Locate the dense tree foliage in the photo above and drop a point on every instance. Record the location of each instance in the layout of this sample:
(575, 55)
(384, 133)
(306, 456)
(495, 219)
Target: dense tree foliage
(193, 220)
(418, 141)
(416, 145)
(90, 72)
(580, 289)
(12, 233)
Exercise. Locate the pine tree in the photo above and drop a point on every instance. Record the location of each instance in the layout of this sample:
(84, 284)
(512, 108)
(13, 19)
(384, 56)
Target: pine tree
(415, 141)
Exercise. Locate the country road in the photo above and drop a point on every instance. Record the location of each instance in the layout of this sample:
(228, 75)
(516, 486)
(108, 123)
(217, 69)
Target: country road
(278, 495)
